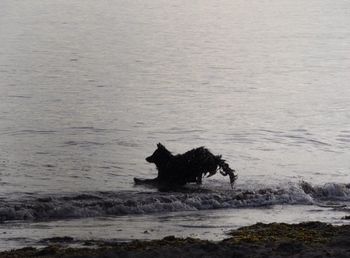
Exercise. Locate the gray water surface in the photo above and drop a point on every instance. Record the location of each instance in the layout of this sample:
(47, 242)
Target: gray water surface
(89, 87)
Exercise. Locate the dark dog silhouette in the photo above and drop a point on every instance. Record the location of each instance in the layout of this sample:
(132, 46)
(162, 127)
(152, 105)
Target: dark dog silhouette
(177, 170)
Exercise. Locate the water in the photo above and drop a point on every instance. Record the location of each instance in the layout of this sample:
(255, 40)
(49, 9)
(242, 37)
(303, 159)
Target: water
(89, 87)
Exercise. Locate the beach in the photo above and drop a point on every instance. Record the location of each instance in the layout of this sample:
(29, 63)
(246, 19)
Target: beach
(309, 239)
(89, 88)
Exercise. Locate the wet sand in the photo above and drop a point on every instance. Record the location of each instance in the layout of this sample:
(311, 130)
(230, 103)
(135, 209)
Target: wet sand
(309, 239)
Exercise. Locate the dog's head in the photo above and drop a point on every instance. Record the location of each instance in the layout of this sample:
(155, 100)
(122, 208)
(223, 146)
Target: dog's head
(159, 155)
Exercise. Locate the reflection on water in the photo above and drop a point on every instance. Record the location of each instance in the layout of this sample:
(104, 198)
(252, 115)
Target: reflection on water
(213, 225)
(88, 88)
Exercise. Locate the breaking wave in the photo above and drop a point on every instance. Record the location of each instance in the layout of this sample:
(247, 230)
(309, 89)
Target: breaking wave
(93, 204)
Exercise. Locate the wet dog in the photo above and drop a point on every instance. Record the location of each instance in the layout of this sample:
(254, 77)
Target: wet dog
(192, 166)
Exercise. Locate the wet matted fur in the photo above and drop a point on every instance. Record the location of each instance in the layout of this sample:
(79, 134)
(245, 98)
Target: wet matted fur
(192, 166)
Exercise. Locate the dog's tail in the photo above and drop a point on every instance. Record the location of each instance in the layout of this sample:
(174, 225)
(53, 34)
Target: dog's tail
(225, 170)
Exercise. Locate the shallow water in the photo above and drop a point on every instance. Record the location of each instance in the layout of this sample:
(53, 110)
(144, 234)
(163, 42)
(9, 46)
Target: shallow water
(209, 224)
(89, 87)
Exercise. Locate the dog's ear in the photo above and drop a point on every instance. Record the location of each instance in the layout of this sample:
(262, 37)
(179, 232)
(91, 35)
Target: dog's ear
(160, 146)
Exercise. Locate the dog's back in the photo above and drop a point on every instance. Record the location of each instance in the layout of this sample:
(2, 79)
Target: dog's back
(200, 159)
(188, 167)
(184, 168)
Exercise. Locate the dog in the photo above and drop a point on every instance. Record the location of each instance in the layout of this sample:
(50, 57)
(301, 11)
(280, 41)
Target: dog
(190, 167)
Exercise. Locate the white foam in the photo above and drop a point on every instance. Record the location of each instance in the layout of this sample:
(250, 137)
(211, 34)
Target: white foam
(93, 204)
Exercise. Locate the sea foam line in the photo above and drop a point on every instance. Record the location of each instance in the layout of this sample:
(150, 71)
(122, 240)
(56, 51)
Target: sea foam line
(93, 204)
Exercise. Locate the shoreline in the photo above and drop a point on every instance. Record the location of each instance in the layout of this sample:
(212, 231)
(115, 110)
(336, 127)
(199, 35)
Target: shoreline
(307, 239)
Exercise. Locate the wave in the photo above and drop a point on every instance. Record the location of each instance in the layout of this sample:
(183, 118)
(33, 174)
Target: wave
(93, 204)
(327, 192)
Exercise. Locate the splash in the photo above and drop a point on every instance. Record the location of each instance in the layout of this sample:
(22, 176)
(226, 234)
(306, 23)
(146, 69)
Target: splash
(94, 204)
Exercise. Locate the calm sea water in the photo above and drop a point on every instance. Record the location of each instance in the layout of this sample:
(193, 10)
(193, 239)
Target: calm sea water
(89, 87)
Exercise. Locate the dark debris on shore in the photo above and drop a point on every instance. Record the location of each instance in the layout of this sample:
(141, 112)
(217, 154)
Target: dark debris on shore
(309, 239)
